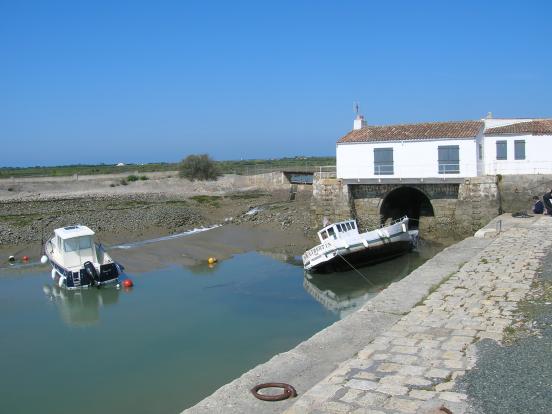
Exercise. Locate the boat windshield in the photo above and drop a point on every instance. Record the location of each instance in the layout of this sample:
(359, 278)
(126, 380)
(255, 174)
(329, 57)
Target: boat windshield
(77, 243)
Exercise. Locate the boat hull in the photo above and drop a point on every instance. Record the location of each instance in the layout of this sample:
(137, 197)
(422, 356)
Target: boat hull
(68, 279)
(344, 261)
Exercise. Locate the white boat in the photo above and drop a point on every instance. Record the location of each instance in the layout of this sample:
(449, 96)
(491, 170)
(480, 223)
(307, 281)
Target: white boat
(78, 262)
(342, 247)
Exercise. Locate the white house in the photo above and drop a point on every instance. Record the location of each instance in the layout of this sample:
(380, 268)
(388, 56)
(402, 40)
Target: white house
(444, 150)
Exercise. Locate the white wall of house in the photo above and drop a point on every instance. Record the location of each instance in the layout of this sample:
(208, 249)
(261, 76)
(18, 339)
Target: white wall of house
(538, 155)
(411, 159)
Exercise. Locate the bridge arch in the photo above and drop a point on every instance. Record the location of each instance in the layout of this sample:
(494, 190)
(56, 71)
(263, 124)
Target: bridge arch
(406, 201)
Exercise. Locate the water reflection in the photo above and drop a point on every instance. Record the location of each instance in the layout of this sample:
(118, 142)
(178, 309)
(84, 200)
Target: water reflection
(344, 292)
(81, 307)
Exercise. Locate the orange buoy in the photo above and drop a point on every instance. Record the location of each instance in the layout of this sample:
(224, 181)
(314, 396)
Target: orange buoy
(127, 283)
(25, 258)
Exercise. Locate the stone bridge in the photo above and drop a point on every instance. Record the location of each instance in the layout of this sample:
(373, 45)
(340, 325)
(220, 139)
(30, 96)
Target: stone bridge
(437, 208)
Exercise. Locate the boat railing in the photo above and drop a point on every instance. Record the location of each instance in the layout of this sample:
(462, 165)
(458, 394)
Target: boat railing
(393, 222)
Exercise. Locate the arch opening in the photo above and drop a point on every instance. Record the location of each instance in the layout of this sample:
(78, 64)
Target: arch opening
(406, 201)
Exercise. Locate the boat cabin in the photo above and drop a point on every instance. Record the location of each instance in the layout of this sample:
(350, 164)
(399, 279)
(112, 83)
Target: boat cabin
(341, 230)
(74, 245)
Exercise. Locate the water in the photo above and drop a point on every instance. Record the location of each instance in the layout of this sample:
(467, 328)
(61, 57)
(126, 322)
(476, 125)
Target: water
(173, 339)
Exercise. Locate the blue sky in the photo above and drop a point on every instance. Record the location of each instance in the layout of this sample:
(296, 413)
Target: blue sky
(136, 81)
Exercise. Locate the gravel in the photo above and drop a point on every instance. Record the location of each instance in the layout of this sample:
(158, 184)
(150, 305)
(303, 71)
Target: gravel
(517, 378)
(27, 221)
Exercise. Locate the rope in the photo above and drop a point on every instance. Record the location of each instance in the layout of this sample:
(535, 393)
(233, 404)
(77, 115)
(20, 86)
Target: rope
(354, 268)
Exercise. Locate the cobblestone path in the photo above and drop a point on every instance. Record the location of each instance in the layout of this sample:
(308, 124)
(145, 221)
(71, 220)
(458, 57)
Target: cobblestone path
(413, 366)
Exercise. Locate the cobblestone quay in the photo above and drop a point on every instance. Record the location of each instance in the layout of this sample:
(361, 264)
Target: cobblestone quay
(413, 366)
(404, 351)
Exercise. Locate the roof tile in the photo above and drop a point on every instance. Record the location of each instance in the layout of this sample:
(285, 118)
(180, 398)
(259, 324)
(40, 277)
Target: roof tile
(536, 127)
(426, 130)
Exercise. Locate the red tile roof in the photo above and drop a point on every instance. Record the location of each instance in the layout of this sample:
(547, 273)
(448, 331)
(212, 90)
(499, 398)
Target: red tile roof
(411, 132)
(536, 127)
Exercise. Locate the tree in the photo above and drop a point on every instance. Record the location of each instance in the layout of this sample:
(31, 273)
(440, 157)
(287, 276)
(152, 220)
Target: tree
(199, 167)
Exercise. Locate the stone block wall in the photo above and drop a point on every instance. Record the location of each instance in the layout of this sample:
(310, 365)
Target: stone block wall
(459, 209)
(331, 199)
(517, 191)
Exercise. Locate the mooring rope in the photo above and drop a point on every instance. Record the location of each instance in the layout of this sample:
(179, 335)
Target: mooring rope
(354, 268)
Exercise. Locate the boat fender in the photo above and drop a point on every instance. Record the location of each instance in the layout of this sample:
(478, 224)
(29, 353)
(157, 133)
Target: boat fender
(403, 228)
(25, 258)
(365, 243)
(54, 274)
(91, 270)
(61, 281)
(127, 283)
(44, 259)
(11, 259)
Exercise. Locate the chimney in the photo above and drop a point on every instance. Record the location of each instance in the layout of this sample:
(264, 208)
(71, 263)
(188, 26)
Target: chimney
(359, 122)
(489, 115)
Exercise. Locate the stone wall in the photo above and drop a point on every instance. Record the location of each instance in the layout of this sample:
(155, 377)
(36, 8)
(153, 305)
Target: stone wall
(270, 180)
(458, 209)
(331, 199)
(517, 191)
(478, 203)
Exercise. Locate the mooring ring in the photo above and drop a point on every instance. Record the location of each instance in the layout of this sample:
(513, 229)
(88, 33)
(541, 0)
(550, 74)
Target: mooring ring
(289, 391)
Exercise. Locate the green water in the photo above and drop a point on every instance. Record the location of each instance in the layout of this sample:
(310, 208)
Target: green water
(172, 340)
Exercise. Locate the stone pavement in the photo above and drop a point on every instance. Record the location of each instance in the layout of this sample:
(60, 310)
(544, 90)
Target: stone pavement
(412, 367)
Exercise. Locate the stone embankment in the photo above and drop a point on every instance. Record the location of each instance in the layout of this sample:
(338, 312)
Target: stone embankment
(406, 350)
(414, 366)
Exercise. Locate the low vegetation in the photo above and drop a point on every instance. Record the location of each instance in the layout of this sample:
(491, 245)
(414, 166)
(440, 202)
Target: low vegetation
(242, 167)
(199, 167)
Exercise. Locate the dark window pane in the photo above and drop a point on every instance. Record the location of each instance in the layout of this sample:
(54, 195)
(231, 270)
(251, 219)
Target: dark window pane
(383, 161)
(449, 159)
(519, 150)
(501, 150)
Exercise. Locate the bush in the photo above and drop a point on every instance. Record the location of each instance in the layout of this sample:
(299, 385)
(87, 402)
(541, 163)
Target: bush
(199, 167)
(124, 182)
(132, 178)
(144, 177)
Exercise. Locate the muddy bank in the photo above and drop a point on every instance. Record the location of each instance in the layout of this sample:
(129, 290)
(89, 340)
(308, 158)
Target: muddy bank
(221, 242)
(24, 225)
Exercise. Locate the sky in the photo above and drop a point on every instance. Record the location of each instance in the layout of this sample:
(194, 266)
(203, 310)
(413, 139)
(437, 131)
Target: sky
(153, 81)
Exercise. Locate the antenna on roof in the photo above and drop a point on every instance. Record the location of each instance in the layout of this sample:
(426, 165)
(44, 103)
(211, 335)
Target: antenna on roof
(355, 108)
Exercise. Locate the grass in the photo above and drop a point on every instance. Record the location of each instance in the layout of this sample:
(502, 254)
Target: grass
(19, 220)
(207, 200)
(247, 196)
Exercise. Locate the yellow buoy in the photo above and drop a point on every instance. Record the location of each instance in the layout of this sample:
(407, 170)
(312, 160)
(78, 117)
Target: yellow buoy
(212, 260)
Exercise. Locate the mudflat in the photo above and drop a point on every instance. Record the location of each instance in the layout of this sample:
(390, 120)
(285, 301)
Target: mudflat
(249, 217)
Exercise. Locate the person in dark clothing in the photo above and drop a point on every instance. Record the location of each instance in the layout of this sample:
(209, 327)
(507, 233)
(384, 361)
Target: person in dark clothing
(538, 207)
(547, 203)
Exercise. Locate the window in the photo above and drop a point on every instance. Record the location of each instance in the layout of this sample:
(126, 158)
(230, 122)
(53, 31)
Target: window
(501, 150)
(331, 232)
(383, 161)
(480, 151)
(449, 159)
(519, 150)
(348, 226)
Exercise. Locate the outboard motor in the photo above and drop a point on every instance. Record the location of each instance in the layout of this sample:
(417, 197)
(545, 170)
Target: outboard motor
(91, 270)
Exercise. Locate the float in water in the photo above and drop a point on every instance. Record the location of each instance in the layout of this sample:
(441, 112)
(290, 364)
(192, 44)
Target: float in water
(78, 262)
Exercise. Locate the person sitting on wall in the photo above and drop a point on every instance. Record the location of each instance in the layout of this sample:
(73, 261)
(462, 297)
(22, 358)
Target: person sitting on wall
(547, 203)
(538, 207)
